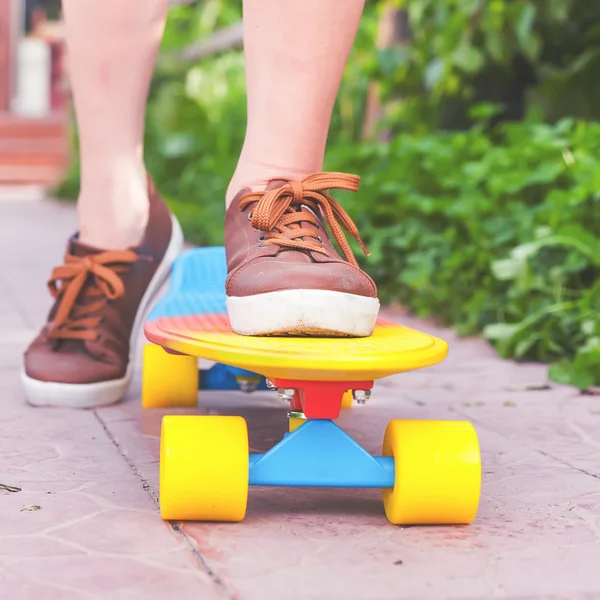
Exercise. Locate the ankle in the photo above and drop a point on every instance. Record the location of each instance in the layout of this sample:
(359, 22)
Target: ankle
(113, 209)
(257, 176)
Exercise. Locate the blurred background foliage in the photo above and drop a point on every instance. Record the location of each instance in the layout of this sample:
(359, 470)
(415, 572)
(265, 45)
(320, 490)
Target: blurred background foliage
(473, 124)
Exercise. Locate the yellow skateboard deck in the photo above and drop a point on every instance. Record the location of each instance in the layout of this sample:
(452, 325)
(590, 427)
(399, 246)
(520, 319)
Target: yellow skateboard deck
(192, 319)
(391, 349)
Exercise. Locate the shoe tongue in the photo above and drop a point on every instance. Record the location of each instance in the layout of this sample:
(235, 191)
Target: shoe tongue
(275, 183)
(77, 248)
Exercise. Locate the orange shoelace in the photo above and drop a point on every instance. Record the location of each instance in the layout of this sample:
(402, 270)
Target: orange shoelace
(282, 212)
(82, 286)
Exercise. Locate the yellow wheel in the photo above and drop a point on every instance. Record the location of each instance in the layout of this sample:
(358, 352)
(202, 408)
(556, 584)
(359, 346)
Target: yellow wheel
(168, 380)
(347, 400)
(203, 468)
(438, 472)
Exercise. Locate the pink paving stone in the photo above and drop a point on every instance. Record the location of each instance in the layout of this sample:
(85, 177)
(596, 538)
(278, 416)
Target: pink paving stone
(94, 474)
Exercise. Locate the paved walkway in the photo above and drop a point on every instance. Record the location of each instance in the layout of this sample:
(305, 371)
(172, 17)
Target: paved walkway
(97, 533)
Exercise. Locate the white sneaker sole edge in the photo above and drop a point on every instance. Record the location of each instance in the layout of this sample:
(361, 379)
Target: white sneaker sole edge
(303, 312)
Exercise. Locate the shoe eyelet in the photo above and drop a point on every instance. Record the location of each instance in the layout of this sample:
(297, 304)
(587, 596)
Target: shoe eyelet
(261, 238)
(320, 239)
(250, 215)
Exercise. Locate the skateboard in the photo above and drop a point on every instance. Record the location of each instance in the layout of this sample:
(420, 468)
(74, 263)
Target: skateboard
(429, 471)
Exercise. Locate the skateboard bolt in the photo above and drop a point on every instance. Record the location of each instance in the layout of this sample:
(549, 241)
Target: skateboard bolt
(296, 414)
(361, 396)
(271, 385)
(286, 394)
(248, 384)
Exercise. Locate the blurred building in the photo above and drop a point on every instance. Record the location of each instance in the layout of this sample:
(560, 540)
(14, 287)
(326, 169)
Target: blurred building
(33, 93)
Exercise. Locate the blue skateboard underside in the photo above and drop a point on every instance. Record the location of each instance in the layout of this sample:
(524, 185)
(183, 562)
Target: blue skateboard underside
(197, 287)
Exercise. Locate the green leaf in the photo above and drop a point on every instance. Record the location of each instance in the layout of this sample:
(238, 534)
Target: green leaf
(525, 22)
(561, 372)
(468, 58)
(524, 346)
(528, 40)
(500, 331)
(391, 59)
(484, 111)
(507, 268)
(434, 72)
(582, 372)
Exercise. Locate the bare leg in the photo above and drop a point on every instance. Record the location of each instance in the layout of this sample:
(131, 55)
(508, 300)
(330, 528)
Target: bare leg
(284, 273)
(112, 48)
(295, 53)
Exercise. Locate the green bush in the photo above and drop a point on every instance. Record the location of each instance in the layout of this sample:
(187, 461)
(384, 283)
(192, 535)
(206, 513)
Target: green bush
(516, 53)
(195, 130)
(491, 230)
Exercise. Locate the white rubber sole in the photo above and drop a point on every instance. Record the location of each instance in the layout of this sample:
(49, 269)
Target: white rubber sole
(103, 393)
(303, 312)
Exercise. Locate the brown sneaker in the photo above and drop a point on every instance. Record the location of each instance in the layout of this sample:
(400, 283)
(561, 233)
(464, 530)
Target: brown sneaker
(285, 277)
(83, 356)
